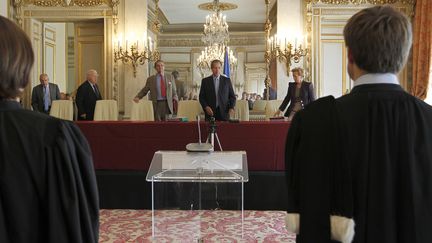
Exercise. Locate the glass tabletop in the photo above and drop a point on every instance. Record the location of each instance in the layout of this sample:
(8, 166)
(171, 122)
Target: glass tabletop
(183, 166)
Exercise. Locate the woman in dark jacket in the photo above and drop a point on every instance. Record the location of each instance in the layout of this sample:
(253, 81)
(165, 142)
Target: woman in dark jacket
(299, 94)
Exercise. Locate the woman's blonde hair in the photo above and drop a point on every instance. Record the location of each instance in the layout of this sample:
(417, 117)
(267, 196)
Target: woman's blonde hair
(299, 70)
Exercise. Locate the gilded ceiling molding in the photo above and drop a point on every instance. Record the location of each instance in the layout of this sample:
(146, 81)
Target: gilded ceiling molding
(221, 6)
(376, 2)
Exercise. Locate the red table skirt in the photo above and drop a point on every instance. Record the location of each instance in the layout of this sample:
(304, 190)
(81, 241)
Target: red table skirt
(126, 145)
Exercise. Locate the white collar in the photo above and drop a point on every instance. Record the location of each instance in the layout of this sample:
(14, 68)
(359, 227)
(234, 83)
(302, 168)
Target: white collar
(377, 78)
(215, 77)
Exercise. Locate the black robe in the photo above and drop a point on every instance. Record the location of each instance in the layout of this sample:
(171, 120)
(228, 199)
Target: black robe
(366, 156)
(48, 189)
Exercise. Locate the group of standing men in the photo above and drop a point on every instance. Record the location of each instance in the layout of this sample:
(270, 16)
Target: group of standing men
(87, 94)
(216, 96)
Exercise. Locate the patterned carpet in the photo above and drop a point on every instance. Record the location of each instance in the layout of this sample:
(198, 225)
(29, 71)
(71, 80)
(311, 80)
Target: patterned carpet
(118, 226)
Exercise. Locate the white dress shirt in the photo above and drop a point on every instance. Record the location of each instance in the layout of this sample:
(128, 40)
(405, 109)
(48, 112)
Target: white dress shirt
(377, 78)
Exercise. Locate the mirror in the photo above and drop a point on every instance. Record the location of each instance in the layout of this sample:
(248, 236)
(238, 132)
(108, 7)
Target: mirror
(181, 40)
(66, 50)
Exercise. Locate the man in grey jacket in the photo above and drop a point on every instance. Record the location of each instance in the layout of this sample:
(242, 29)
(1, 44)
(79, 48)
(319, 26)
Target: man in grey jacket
(162, 92)
(43, 94)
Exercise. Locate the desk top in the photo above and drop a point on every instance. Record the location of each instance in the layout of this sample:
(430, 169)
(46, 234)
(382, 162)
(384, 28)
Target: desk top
(183, 166)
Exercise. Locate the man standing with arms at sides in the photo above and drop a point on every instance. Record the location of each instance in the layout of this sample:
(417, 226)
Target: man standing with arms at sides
(87, 95)
(162, 92)
(363, 162)
(217, 96)
(180, 85)
(43, 94)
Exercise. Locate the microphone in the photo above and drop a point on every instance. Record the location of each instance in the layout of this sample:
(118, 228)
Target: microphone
(199, 147)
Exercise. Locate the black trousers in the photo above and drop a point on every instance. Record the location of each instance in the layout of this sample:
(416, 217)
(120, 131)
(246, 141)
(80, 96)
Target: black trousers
(219, 115)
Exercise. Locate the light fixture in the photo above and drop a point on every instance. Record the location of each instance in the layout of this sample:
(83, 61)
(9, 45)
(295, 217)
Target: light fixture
(213, 52)
(216, 37)
(281, 48)
(284, 49)
(136, 51)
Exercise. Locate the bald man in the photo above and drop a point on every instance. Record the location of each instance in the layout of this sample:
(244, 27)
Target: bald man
(43, 94)
(87, 95)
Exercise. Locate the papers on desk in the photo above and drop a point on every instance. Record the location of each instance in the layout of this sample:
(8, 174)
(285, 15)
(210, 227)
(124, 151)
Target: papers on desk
(206, 161)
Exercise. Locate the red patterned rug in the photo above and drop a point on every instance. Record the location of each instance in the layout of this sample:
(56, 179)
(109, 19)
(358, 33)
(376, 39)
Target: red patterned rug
(118, 226)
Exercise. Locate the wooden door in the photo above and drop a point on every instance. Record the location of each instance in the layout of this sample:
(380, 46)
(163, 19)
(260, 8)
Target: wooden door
(89, 49)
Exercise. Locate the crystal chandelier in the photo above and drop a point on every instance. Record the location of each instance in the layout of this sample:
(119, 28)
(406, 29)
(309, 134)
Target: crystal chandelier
(215, 29)
(213, 52)
(216, 37)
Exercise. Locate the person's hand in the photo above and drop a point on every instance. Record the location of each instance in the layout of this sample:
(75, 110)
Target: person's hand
(209, 111)
(278, 113)
(83, 116)
(136, 99)
(231, 113)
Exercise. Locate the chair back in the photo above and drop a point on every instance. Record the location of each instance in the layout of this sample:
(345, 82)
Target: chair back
(190, 109)
(62, 109)
(106, 110)
(259, 105)
(142, 111)
(242, 110)
(271, 108)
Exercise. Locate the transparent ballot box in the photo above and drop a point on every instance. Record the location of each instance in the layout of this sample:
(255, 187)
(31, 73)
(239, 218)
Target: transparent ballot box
(193, 192)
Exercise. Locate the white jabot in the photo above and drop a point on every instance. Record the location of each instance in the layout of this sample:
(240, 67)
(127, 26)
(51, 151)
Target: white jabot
(377, 78)
(92, 85)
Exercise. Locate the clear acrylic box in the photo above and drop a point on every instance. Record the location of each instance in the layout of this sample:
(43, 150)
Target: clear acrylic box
(187, 186)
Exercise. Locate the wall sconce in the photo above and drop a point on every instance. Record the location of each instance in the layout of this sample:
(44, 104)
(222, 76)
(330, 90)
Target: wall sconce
(285, 51)
(238, 86)
(137, 52)
(196, 86)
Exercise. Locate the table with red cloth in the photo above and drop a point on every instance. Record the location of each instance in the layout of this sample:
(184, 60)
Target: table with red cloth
(127, 145)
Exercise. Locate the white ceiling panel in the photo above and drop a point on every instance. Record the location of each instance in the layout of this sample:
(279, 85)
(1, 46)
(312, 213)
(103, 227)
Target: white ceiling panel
(187, 11)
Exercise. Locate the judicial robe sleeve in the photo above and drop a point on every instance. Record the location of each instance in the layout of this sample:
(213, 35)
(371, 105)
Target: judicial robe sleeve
(72, 197)
(317, 180)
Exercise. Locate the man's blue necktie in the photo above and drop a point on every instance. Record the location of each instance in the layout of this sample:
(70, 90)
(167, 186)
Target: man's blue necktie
(46, 99)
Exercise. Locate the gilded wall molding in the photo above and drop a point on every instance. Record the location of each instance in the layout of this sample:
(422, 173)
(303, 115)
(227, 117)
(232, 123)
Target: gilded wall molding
(198, 43)
(62, 8)
(67, 3)
(335, 11)
(194, 40)
(60, 14)
(25, 11)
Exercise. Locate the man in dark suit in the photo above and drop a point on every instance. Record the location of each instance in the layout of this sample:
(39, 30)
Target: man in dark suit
(87, 95)
(217, 96)
(43, 94)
